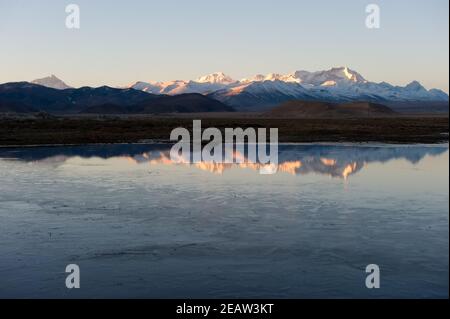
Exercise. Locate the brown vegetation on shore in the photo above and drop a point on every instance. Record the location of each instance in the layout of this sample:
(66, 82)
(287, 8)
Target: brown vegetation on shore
(85, 130)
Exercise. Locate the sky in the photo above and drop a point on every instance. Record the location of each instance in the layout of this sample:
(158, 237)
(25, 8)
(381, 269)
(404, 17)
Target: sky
(121, 42)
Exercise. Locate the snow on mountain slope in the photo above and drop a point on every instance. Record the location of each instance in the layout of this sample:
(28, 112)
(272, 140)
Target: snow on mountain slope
(51, 82)
(264, 94)
(204, 85)
(178, 87)
(339, 75)
(339, 84)
(216, 78)
(438, 95)
(153, 88)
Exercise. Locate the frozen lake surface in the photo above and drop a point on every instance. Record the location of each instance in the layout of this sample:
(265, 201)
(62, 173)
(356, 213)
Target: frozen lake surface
(141, 226)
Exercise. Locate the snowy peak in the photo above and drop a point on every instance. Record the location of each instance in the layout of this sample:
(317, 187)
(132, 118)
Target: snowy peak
(256, 78)
(346, 73)
(281, 77)
(52, 82)
(415, 87)
(334, 76)
(203, 85)
(271, 77)
(216, 78)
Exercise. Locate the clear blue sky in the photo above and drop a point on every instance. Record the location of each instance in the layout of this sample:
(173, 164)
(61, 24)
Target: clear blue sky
(124, 41)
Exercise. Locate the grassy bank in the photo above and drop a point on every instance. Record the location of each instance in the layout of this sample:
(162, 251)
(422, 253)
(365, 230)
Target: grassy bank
(83, 130)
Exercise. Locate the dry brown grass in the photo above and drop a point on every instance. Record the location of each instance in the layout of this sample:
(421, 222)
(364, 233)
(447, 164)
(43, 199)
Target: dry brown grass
(82, 130)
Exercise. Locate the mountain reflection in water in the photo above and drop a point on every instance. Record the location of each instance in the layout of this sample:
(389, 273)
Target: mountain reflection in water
(339, 161)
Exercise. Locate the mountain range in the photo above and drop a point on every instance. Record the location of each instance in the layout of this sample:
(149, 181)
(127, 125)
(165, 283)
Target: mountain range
(25, 97)
(337, 85)
(218, 92)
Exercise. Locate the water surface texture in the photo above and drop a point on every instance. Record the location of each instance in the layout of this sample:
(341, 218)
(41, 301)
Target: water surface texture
(141, 226)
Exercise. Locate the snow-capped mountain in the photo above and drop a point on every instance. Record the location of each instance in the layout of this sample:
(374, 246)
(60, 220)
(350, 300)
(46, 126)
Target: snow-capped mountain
(320, 78)
(204, 85)
(340, 84)
(262, 93)
(271, 77)
(51, 82)
(332, 77)
(216, 78)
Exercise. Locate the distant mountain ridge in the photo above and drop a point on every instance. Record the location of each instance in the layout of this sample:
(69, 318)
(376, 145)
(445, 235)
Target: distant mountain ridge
(25, 97)
(258, 93)
(338, 85)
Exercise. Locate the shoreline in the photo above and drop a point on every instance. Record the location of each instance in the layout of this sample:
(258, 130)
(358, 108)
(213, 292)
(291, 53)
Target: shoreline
(63, 131)
(361, 144)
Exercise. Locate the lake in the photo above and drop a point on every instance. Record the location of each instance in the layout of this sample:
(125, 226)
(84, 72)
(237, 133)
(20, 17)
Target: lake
(139, 225)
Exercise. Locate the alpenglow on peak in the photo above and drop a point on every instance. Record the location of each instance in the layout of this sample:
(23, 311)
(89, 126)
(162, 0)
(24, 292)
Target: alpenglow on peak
(51, 82)
(216, 78)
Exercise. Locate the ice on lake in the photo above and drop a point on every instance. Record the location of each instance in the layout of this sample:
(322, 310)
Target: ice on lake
(139, 225)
